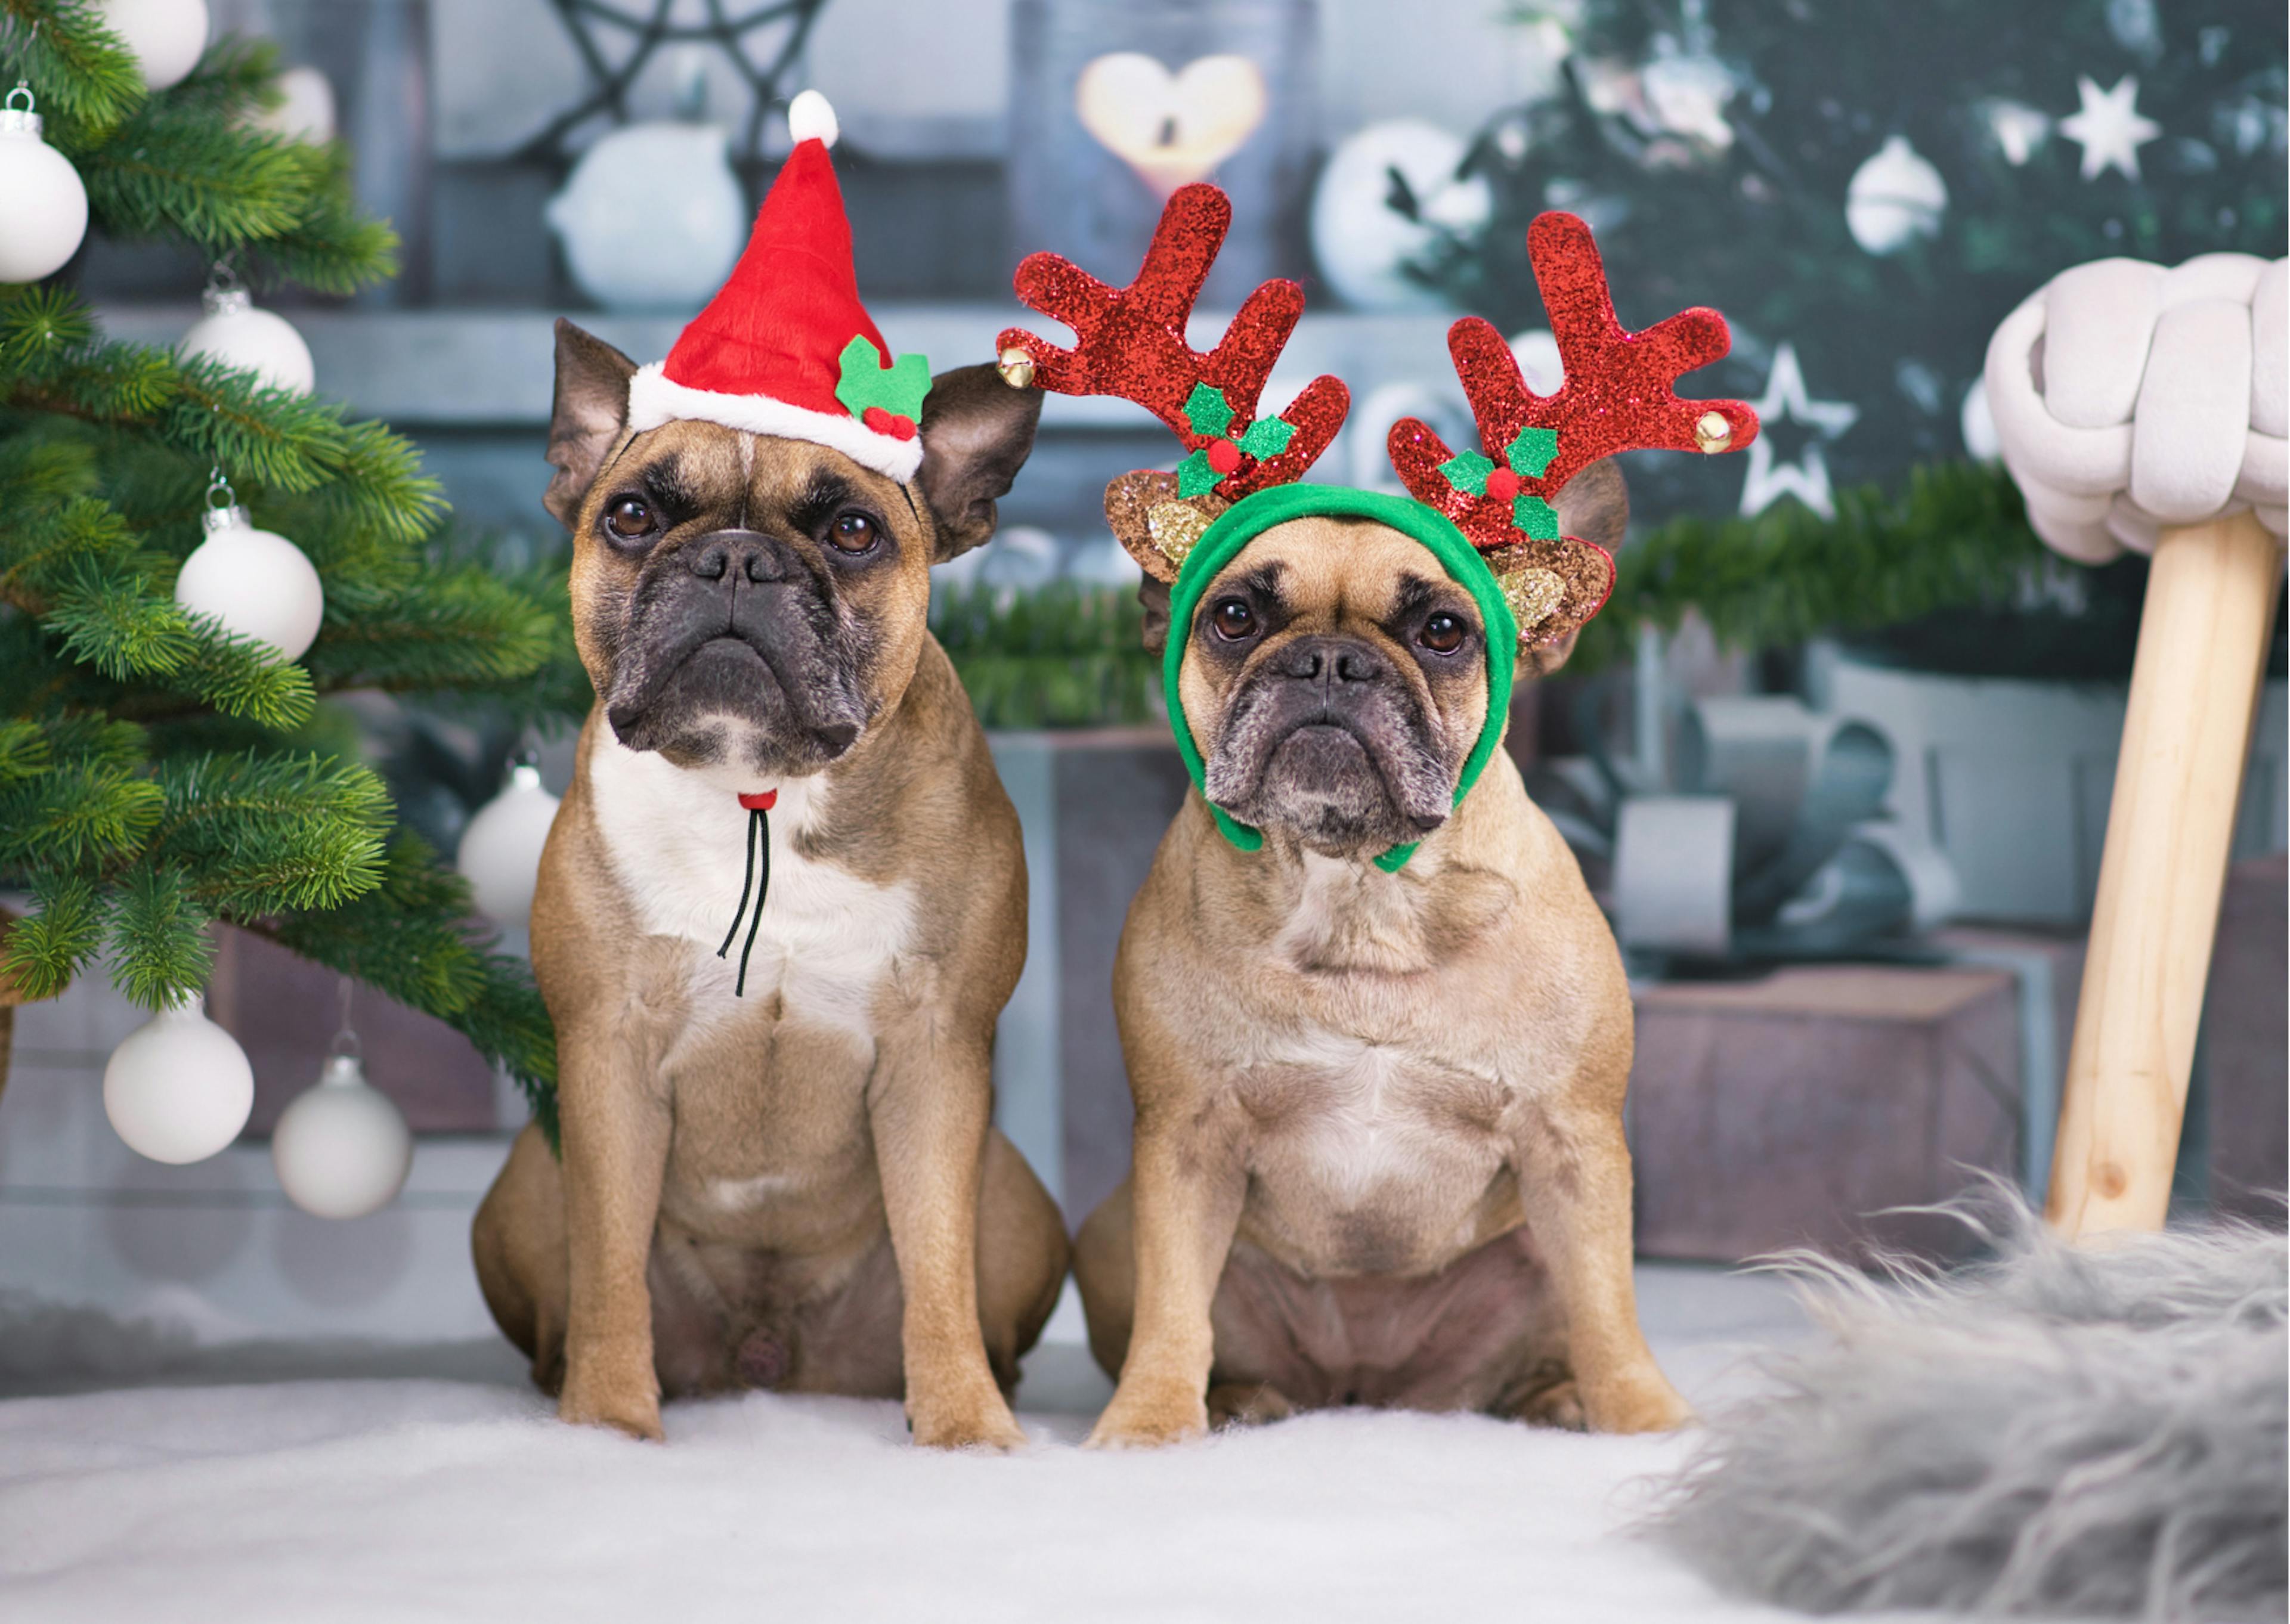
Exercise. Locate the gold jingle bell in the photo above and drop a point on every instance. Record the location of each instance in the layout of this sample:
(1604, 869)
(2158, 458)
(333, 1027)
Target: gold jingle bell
(1712, 433)
(1016, 367)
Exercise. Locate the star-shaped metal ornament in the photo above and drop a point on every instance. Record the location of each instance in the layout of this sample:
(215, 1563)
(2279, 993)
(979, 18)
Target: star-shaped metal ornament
(1807, 478)
(2108, 127)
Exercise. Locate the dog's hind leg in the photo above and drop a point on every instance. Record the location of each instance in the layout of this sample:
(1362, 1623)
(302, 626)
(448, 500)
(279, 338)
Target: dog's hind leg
(1234, 1403)
(517, 1242)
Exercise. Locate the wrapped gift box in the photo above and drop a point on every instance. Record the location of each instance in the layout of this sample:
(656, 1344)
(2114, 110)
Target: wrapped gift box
(1793, 1109)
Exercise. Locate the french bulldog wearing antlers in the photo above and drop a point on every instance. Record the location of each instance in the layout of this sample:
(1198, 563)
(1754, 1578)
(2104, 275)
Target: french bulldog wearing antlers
(1377, 1030)
(777, 1170)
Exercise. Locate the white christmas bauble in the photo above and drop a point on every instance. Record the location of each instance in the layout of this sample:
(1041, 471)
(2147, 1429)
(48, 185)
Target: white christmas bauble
(257, 584)
(43, 204)
(1363, 236)
(238, 335)
(178, 1087)
(342, 1148)
(307, 112)
(675, 178)
(500, 849)
(1536, 351)
(165, 36)
(1894, 197)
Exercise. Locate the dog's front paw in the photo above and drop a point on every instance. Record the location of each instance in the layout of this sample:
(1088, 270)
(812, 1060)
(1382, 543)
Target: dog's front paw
(627, 1406)
(1638, 1401)
(970, 1420)
(1149, 1414)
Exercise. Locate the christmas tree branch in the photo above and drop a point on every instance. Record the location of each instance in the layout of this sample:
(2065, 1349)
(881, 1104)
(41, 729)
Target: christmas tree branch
(410, 937)
(82, 69)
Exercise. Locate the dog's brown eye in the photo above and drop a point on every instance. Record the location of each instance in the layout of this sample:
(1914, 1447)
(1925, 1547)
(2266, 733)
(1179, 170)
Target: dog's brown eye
(1441, 633)
(1234, 619)
(629, 517)
(853, 533)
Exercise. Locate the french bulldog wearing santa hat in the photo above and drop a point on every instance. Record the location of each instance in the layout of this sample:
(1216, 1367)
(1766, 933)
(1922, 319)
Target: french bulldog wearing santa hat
(785, 899)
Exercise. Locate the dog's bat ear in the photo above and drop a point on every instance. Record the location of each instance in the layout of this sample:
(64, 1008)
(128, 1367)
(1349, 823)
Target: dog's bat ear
(1153, 594)
(1595, 506)
(977, 431)
(592, 409)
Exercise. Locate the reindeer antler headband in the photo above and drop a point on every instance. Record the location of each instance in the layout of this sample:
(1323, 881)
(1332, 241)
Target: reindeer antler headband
(1617, 396)
(1492, 524)
(1130, 342)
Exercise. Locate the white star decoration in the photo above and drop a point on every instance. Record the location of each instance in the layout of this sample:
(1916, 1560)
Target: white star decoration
(2108, 127)
(1807, 478)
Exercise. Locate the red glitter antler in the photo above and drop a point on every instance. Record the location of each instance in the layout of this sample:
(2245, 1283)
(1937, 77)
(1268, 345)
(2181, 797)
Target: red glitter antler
(1617, 396)
(1130, 342)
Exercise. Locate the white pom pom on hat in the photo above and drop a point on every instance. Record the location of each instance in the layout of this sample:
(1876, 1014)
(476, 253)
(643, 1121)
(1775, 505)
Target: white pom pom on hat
(810, 117)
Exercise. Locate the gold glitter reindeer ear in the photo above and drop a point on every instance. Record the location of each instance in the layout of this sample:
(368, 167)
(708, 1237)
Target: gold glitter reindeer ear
(1130, 342)
(1617, 396)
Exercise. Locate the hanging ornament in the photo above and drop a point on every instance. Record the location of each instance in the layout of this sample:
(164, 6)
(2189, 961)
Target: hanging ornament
(306, 112)
(2108, 127)
(255, 583)
(237, 334)
(500, 848)
(43, 205)
(2018, 129)
(1894, 198)
(1686, 94)
(178, 1087)
(165, 35)
(1389, 191)
(341, 1146)
(1785, 399)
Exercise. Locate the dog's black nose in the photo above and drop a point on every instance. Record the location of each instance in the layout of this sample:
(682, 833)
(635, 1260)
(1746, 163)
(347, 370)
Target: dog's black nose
(1332, 660)
(741, 554)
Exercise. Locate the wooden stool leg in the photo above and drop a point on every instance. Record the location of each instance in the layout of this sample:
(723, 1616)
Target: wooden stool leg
(2194, 687)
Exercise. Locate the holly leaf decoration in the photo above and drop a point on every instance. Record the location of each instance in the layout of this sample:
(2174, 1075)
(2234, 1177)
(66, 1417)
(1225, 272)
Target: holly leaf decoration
(1268, 436)
(1206, 411)
(1468, 472)
(1532, 452)
(1535, 517)
(1196, 475)
(897, 388)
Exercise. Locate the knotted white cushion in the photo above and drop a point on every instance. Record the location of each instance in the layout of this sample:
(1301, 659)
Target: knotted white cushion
(2128, 397)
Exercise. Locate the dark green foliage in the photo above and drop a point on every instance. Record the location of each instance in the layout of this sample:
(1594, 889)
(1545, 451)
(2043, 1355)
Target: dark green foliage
(1957, 536)
(1756, 227)
(156, 775)
(1064, 655)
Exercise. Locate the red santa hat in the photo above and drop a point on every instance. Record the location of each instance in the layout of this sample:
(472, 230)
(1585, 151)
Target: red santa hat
(786, 348)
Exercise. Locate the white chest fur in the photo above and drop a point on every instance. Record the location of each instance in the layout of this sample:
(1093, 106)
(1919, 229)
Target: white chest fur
(677, 838)
(1361, 1130)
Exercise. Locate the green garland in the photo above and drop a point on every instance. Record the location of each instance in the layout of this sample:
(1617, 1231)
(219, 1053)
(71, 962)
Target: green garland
(1957, 536)
(1061, 655)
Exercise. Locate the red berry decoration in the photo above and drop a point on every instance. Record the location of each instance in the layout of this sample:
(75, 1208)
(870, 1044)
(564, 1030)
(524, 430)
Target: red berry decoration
(1503, 484)
(896, 425)
(1224, 456)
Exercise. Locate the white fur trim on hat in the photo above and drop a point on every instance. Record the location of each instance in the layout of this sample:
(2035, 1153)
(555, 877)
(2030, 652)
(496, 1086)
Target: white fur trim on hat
(811, 118)
(654, 399)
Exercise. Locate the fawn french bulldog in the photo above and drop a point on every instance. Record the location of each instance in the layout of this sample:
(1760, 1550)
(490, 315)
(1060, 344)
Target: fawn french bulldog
(778, 1169)
(1377, 1030)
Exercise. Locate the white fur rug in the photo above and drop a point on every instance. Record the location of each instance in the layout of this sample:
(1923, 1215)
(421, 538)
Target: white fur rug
(336, 1485)
(2058, 1431)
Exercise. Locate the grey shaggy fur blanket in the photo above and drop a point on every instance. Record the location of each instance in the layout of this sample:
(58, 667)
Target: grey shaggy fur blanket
(2094, 1432)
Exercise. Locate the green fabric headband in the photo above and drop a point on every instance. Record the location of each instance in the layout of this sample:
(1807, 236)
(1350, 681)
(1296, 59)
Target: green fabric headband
(1251, 517)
